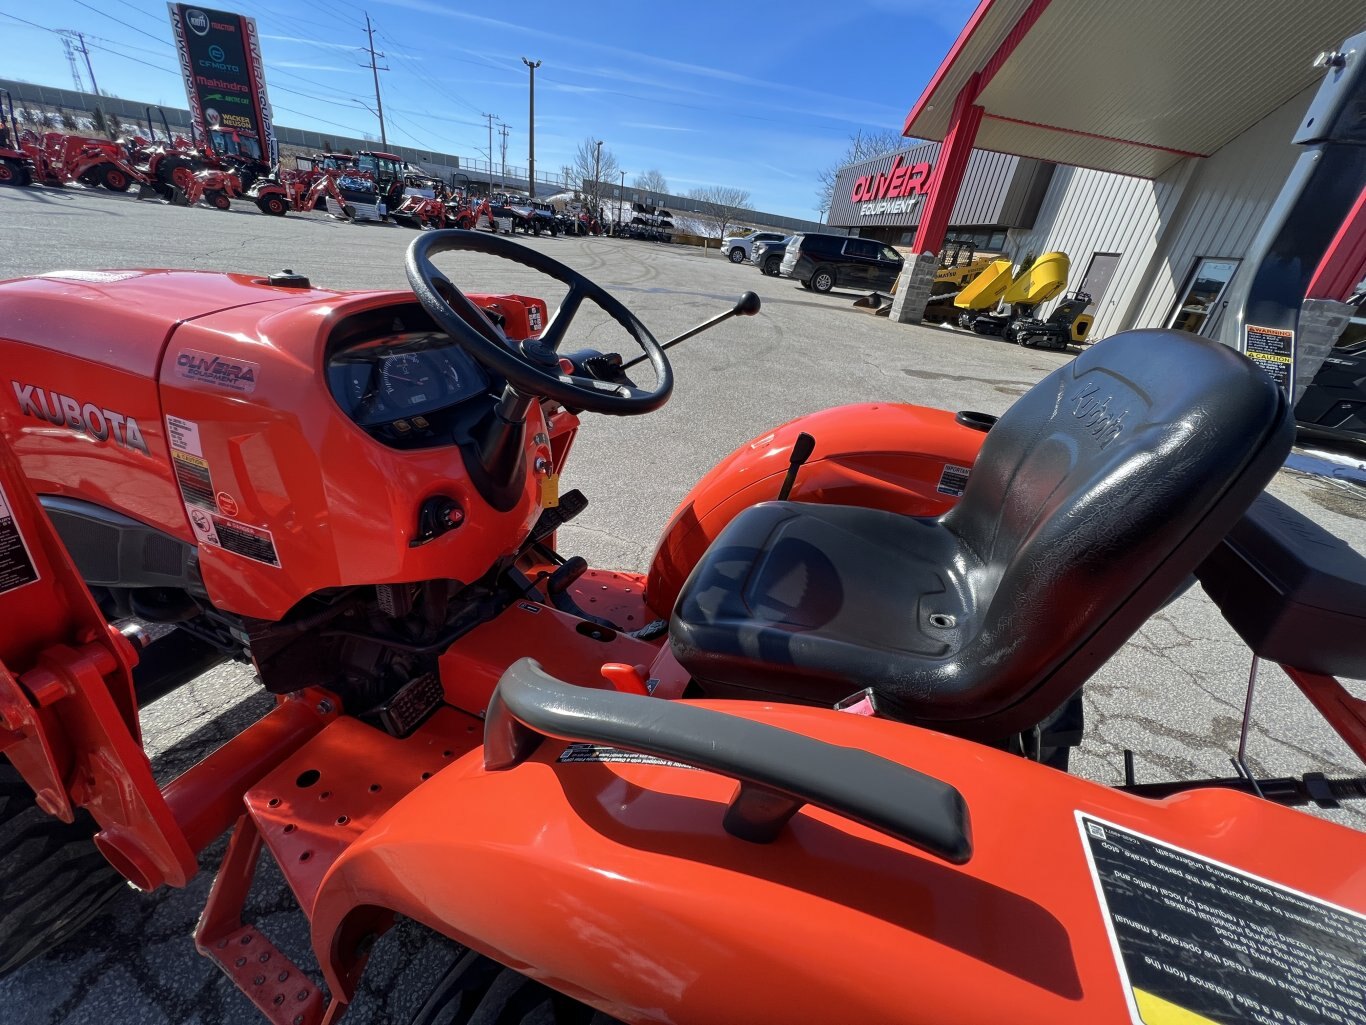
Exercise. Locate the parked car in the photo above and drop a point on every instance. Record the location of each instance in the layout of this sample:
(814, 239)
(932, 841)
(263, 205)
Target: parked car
(738, 247)
(768, 256)
(823, 262)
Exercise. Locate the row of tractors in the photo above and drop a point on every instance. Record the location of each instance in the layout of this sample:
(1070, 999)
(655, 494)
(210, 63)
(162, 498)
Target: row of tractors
(225, 167)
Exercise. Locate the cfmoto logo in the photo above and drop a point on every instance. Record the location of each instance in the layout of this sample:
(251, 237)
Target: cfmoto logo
(216, 53)
(198, 22)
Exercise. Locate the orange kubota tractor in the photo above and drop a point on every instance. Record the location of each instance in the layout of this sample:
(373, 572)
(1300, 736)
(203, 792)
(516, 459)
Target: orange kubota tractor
(807, 768)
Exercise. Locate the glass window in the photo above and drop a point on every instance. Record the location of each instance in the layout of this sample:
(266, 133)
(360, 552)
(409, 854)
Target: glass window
(1198, 304)
(888, 253)
(861, 248)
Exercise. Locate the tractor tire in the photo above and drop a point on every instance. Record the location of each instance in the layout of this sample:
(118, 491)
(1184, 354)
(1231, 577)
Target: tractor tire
(737, 254)
(822, 280)
(14, 173)
(273, 205)
(114, 179)
(52, 879)
(218, 199)
(478, 991)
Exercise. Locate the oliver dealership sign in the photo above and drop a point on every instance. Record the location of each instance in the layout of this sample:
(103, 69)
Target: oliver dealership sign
(897, 190)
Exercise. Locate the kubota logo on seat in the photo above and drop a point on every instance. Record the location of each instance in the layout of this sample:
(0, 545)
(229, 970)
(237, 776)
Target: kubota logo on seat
(237, 374)
(64, 411)
(1095, 414)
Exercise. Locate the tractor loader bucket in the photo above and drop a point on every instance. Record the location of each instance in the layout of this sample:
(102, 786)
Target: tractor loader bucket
(1040, 281)
(985, 290)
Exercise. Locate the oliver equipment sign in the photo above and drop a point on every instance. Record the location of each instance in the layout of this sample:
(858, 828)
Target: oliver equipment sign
(220, 57)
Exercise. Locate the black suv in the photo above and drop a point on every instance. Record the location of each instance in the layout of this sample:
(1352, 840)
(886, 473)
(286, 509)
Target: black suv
(823, 262)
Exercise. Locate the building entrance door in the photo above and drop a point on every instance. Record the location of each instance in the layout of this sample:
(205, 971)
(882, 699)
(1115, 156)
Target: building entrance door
(1199, 302)
(1096, 281)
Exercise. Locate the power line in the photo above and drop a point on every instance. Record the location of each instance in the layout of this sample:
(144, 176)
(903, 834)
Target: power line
(106, 14)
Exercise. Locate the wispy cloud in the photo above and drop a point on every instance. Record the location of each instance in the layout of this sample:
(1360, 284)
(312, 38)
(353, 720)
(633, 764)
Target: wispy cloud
(656, 128)
(305, 65)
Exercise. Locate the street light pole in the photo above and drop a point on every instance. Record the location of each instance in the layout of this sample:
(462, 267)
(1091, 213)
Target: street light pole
(531, 132)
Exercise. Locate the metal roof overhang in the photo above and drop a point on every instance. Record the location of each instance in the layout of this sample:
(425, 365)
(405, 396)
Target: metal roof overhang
(1129, 87)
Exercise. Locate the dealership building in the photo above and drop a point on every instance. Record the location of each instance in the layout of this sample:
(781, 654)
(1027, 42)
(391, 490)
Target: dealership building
(1147, 141)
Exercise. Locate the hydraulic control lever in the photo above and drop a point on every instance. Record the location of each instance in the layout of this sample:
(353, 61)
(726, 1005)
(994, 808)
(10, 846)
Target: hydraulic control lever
(746, 306)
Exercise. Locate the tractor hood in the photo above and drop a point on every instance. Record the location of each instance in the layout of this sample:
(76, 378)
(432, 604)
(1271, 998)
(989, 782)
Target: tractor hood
(124, 318)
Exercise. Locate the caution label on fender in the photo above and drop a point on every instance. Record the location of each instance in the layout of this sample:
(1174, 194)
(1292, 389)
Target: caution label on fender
(16, 563)
(1201, 942)
(187, 459)
(600, 753)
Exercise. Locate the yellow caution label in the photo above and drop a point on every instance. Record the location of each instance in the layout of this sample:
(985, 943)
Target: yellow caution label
(1156, 1011)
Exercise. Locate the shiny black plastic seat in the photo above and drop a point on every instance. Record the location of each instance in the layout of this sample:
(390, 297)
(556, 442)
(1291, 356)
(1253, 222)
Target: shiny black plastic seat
(1094, 497)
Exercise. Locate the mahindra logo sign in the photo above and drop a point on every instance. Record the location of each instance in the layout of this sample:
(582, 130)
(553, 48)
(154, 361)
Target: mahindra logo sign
(899, 189)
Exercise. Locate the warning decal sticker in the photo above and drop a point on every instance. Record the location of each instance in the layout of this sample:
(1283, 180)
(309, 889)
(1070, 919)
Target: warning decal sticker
(1272, 349)
(602, 753)
(1200, 942)
(953, 480)
(187, 458)
(16, 564)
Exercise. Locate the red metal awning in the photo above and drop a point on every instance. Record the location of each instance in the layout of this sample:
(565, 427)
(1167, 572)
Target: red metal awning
(1129, 87)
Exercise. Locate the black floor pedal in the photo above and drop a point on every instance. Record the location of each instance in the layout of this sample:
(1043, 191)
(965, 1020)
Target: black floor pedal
(571, 504)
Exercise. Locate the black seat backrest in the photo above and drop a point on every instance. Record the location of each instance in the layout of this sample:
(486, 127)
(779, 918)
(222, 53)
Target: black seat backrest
(1093, 498)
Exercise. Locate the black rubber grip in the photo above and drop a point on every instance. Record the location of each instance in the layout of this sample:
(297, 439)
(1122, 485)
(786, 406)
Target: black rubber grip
(778, 770)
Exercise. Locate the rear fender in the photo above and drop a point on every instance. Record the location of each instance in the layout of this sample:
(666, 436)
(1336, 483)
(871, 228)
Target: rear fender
(615, 882)
(880, 455)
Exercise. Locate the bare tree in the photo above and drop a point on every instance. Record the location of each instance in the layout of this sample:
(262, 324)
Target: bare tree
(719, 206)
(594, 164)
(862, 146)
(651, 181)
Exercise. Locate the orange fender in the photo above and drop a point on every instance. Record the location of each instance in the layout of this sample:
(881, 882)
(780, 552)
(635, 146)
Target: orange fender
(616, 884)
(882, 455)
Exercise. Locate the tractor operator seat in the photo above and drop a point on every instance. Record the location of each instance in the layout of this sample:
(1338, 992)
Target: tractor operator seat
(1093, 498)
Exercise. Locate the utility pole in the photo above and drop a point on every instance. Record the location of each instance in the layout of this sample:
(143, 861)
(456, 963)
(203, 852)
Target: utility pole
(85, 52)
(597, 183)
(490, 119)
(531, 132)
(503, 131)
(93, 87)
(375, 70)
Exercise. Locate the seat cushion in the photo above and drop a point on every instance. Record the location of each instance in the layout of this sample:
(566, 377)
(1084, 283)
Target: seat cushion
(1093, 498)
(832, 598)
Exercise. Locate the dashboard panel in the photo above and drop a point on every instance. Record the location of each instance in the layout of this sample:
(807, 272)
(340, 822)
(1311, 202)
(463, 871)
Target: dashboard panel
(405, 380)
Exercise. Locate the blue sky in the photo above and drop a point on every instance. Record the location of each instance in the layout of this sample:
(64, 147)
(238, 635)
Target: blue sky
(759, 96)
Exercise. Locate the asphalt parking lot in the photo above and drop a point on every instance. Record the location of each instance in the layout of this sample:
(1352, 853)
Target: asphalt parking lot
(1174, 695)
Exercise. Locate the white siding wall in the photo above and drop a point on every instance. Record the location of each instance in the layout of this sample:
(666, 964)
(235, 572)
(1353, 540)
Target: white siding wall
(1086, 212)
(1201, 207)
(1224, 205)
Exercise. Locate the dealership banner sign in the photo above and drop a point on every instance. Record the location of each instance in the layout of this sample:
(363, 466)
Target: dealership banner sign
(897, 190)
(225, 81)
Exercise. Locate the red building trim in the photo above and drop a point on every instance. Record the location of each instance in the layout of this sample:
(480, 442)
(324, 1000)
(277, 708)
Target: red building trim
(1344, 263)
(1093, 135)
(968, 31)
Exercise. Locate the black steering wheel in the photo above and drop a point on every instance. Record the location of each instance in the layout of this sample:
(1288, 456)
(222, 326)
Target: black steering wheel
(532, 367)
